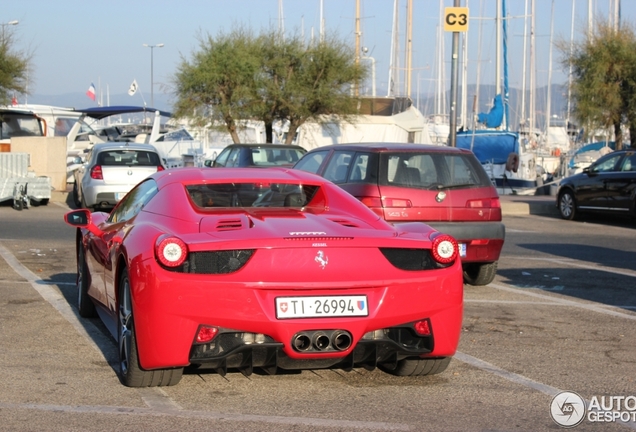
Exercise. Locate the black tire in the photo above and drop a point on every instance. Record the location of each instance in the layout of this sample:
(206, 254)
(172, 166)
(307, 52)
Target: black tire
(44, 201)
(76, 198)
(130, 372)
(85, 305)
(567, 205)
(479, 274)
(416, 366)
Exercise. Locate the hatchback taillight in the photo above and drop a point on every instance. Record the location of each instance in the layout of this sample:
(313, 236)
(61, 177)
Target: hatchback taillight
(371, 202)
(484, 203)
(96, 173)
(375, 202)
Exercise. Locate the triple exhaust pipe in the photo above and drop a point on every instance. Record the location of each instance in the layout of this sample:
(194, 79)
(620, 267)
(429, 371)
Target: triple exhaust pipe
(322, 340)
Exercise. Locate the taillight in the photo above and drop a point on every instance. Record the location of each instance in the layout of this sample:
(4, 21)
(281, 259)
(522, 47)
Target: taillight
(160, 168)
(206, 334)
(422, 328)
(371, 202)
(96, 173)
(484, 203)
(396, 203)
(445, 249)
(171, 251)
(375, 202)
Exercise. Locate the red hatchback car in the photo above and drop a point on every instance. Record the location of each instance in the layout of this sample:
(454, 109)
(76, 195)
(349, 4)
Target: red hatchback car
(243, 268)
(445, 187)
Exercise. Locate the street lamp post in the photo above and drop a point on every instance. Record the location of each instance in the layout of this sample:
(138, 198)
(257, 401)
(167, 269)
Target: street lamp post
(152, 83)
(14, 22)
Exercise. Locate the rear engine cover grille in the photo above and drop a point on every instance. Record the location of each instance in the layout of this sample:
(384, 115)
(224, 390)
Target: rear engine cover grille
(411, 259)
(216, 262)
(318, 238)
(229, 225)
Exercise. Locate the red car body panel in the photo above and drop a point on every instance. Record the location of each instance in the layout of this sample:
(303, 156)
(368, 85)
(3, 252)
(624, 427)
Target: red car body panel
(170, 306)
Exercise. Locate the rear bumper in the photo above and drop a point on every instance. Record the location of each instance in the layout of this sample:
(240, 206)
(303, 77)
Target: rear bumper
(170, 307)
(107, 195)
(483, 240)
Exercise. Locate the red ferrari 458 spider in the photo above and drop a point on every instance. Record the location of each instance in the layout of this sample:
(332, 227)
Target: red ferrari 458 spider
(244, 267)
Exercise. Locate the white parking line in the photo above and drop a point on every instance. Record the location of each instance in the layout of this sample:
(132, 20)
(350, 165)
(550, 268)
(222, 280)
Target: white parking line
(594, 307)
(578, 264)
(518, 379)
(211, 415)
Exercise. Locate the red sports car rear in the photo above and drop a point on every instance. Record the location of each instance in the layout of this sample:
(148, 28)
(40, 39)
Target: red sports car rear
(247, 268)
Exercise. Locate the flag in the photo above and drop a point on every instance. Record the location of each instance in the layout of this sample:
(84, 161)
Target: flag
(14, 100)
(133, 88)
(91, 91)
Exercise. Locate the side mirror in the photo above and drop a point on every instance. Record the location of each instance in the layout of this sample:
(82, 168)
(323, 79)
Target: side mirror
(78, 218)
(208, 163)
(82, 218)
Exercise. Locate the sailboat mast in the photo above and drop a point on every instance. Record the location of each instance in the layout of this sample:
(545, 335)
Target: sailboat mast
(409, 45)
(393, 79)
(498, 50)
(523, 67)
(322, 23)
(548, 108)
(357, 56)
(532, 71)
(567, 114)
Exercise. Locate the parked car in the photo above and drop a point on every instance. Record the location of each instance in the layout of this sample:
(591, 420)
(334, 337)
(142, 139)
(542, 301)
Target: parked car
(257, 155)
(110, 171)
(445, 187)
(608, 185)
(187, 271)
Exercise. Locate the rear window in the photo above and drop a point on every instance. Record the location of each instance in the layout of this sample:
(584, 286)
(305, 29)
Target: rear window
(275, 156)
(128, 158)
(431, 170)
(274, 195)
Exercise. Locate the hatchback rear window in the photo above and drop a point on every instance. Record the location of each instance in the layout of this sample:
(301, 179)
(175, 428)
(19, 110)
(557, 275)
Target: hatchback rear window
(128, 158)
(274, 195)
(275, 156)
(431, 170)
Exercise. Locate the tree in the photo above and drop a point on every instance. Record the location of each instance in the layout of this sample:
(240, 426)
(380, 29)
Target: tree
(14, 68)
(239, 76)
(218, 84)
(604, 79)
(303, 83)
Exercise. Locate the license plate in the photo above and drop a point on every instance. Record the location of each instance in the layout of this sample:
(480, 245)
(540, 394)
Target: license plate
(462, 249)
(321, 306)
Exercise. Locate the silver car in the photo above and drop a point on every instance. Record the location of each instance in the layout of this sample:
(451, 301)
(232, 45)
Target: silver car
(110, 171)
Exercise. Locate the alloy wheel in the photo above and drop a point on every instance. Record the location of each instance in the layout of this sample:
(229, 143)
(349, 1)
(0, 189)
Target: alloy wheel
(125, 326)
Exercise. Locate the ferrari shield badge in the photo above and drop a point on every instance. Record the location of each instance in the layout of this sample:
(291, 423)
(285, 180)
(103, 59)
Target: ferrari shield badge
(321, 259)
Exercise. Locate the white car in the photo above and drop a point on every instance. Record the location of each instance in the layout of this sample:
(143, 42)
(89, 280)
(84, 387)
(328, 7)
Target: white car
(111, 171)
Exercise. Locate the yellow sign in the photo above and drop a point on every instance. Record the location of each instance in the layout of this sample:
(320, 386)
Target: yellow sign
(456, 19)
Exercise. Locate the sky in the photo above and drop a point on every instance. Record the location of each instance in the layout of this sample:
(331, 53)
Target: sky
(75, 43)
